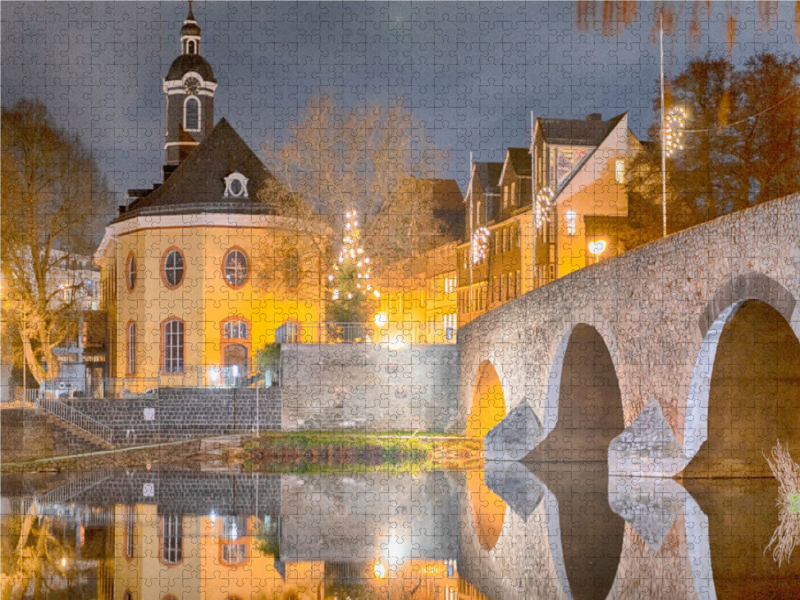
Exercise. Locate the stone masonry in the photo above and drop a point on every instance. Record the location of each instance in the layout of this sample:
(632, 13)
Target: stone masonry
(369, 387)
(183, 413)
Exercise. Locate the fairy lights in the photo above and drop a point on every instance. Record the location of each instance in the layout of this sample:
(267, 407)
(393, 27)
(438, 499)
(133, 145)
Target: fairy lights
(674, 124)
(542, 206)
(480, 244)
(352, 259)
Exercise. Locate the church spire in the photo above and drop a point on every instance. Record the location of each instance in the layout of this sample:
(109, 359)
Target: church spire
(189, 87)
(190, 34)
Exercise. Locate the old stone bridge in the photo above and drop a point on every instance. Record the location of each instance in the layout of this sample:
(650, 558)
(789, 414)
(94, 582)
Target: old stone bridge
(679, 355)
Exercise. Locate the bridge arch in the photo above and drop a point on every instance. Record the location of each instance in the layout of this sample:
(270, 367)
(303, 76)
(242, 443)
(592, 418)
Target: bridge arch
(750, 350)
(487, 402)
(584, 408)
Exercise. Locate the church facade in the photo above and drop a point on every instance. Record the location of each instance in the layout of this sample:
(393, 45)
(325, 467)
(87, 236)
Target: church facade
(187, 265)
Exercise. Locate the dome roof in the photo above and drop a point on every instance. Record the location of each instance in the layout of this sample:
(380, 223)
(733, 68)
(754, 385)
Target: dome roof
(190, 62)
(190, 28)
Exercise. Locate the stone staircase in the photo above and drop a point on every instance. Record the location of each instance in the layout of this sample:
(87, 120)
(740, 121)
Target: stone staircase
(76, 423)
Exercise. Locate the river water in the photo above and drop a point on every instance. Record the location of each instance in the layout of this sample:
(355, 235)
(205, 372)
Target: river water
(511, 531)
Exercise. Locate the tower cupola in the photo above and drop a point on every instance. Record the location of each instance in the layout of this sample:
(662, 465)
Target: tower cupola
(189, 87)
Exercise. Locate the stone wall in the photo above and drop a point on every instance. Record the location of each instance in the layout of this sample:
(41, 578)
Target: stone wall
(183, 413)
(189, 492)
(26, 434)
(369, 387)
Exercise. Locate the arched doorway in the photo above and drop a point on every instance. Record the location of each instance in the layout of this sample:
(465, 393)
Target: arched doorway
(235, 363)
(589, 401)
(753, 396)
(488, 402)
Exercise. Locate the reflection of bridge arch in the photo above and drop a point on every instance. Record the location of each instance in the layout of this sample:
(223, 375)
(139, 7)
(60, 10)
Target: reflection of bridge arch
(584, 402)
(586, 535)
(747, 371)
(488, 510)
(488, 405)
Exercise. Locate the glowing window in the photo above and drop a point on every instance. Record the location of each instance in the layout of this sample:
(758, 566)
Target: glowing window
(570, 222)
(132, 348)
(130, 272)
(173, 346)
(236, 330)
(171, 539)
(173, 268)
(620, 171)
(236, 268)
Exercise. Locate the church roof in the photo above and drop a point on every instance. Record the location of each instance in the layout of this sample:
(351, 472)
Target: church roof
(198, 184)
(190, 62)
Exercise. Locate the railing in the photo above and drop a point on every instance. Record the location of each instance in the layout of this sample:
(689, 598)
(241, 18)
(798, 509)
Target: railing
(354, 333)
(69, 490)
(76, 418)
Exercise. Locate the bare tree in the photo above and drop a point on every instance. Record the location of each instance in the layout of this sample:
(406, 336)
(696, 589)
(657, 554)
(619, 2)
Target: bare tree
(370, 159)
(612, 16)
(54, 202)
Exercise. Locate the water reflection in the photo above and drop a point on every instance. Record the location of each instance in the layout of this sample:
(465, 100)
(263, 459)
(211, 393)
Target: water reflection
(512, 531)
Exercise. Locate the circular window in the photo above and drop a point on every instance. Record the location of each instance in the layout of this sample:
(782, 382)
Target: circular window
(236, 188)
(173, 268)
(235, 268)
(130, 271)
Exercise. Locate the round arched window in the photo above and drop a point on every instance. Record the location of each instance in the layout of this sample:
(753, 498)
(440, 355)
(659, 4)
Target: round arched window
(130, 271)
(235, 268)
(173, 268)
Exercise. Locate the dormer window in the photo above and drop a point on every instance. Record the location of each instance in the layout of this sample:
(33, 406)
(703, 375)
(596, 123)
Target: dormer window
(236, 186)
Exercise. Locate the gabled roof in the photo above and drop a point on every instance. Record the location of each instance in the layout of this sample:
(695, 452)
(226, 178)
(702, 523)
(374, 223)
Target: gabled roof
(577, 132)
(488, 175)
(198, 183)
(448, 206)
(577, 169)
(520, 159)
(446, 194)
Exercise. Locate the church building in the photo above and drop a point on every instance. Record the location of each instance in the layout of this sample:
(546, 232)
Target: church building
(188, 265)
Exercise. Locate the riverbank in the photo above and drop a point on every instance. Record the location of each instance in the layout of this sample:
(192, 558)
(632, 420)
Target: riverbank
(277, 452)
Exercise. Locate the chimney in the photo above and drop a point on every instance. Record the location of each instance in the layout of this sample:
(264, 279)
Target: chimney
(594, 117)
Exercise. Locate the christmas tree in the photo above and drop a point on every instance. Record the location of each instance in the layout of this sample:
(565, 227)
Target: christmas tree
(353, 294)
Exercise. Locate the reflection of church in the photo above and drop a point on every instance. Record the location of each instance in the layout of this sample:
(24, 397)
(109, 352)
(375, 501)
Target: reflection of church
(185, 264)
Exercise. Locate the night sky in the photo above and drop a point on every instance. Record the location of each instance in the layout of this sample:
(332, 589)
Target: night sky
(472, 72)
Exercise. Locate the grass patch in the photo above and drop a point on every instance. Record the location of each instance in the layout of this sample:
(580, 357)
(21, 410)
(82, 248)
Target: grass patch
(308, 451)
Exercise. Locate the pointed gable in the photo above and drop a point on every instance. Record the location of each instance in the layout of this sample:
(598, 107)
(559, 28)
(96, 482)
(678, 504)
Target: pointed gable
(199, 182)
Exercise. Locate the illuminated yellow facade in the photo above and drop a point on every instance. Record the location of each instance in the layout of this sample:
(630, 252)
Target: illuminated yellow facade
(208, 296)
(214, 557)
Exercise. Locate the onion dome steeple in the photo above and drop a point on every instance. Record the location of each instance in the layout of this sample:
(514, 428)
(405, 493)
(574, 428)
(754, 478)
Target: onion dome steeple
(189, 86)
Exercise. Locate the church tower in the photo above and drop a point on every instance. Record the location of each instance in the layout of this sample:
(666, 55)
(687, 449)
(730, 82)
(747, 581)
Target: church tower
(189, 87)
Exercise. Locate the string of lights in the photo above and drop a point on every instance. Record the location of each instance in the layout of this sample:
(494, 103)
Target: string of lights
(351, 252)
(480, 244)
(543, 200)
